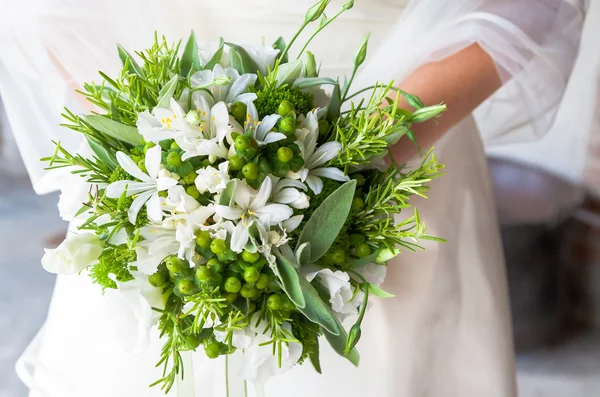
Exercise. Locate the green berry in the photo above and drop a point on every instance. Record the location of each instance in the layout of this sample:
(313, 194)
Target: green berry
(274, 302)
(285, 107)
(148, 145)
(174, 159)
(356, 239)
(212, 350)
(157, 279)
(236, 162)
(233, 284)
(203, 274)
(185, 286)
(242, 143)
(218, 246)
(263, 282)
(250, 171)
(250, 153)
(248, 291)
(251, 274)
(189, 178)
(174, 264)
(250, 257)
(284, 154)
(286, 304)
(323, 127)
(203, 238)
(357, 204)
(338, 256)
(193, 340)
(238, 111)
(360, 180)
(163, 193)
(251, 307)
(174, 145)
(214, 265)
(287, 125)
(193, 117)
(363, 250)
(231, 297)
(192, 190)
(142, 165)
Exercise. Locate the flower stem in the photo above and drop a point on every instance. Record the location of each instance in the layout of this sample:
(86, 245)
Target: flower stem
(287, 47)
(227, 375)
(317, 32)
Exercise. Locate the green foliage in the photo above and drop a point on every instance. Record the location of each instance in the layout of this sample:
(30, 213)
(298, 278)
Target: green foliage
(308, 334)
(269, 99)
(112, 261)
(119, 174)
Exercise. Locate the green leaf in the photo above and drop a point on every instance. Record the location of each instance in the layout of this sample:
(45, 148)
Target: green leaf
(318, 311)
(287, 73)
(166, 93)
(333, 110)
(314, 358)
(364, 261)
(338, 343)
(280, 45)
(307, 82)
(290, 280)
(134, 67)
(226, 197)
(380, 292)
(240, 60)
(303, 254)
(325, 224)
(190, 61)
(310, 65)
(103, 154)
(115, 129)
(386, 254)
(216, 58)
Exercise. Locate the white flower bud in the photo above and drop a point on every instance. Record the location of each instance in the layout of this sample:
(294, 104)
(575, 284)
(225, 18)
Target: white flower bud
(73, 255)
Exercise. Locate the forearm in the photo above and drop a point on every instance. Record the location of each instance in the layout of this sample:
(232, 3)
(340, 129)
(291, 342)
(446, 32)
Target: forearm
(462, 81)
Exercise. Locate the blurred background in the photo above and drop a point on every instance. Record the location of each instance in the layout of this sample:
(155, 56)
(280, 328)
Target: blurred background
(548, 204)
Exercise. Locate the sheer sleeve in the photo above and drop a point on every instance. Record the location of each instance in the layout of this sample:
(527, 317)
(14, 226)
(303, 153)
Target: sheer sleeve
(533, 43)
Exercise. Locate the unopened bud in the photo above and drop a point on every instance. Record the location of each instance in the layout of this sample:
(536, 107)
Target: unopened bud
(353, 338)
(316, 11)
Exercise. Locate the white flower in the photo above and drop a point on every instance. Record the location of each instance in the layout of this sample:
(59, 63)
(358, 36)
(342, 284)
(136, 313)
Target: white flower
(207, 138)
(373, 273)
(234, 91)
(251, 207)
(211, 179)
(146, 191)
(186, 224)
(158, 243)
(260, 364)
(338, 285)
(315, 157)
(73, 255)
(178, 200)
(163, 123)
(285, 191)
(240, 338)
(261, 130)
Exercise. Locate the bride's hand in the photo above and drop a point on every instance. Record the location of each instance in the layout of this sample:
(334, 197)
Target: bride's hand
(462, 81)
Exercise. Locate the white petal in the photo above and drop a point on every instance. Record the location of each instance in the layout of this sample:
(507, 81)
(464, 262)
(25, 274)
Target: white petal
(137, 205)
(288, 182)
(239, 238)
(115, 189)
(164, 183)
(291, 224)
(247, 98)
(228, 212)
(239, 86)
(263, 194)
(330, 172)
(287, 195)
(153, 161)
(132, 168)
(266, 125)
(154, 208)
(252, 112)
(242, 195)
(323, 154)
(273, 213)
(273, 137)
(314, 183)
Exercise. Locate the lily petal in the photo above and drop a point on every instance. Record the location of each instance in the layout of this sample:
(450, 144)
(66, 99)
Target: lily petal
(273, 137)
(266, 125)
(292, 224)
(154, 208)
(239, 238)
(239, 86)
(132, 168)
(273, 213)
(323, 154)
(227, 212)
(314, 183)
(330, 172)
(262, 196)
(153, 161)
(115, 189)
(137, 205)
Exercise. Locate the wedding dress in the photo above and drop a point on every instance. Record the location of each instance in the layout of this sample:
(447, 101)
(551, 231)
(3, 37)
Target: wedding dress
(447, 331)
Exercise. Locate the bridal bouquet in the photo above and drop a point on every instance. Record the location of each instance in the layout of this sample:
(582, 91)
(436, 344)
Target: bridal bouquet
(250, 208)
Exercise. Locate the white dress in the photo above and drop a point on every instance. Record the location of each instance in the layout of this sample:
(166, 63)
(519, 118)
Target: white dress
(447, 331)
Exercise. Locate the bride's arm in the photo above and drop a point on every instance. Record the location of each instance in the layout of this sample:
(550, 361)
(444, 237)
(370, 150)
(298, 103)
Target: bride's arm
(462, 81)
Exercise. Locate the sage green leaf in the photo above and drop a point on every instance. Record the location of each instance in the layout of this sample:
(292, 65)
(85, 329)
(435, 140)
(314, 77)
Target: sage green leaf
(386, 254)
(338, 343)
(216, 58)
(190, 60)
(280, 45)
(166, 93)
(303, 254)
(134, 67)
(100, 151)
(289, 278)
(287, 73)
(226, 197)
(241, 61)
(318, 311)
(314, 358)
(115, 129)
(310, 65)
(333, 110)
(307, 82)
(380, 292)
(325, 224)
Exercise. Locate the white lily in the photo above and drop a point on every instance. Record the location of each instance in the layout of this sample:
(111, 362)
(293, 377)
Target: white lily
(251, 207)
(146, 191)
(315, 158)
(163, 123)
(233, 91)
(261, 129)
(212, 179)
(212, 128)
(285, 191)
